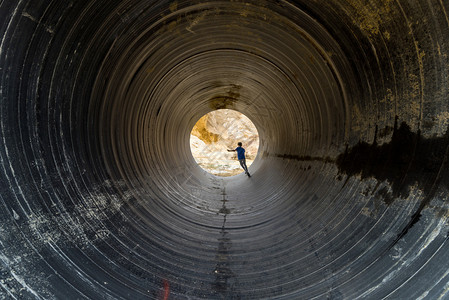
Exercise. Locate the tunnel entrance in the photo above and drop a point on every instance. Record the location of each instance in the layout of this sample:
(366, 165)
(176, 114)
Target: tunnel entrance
(218, 131)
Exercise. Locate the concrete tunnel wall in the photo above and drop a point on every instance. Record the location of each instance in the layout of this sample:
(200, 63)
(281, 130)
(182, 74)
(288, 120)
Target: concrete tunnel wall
(102, 199)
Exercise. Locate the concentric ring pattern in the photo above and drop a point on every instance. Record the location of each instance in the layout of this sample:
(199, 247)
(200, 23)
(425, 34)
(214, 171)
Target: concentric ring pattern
(102, 199)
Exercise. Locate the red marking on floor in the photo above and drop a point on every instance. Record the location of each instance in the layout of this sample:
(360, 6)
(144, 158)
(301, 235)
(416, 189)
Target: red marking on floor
(166, 289)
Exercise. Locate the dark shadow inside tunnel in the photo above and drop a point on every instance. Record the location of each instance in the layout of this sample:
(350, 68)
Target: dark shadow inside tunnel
(101, 197)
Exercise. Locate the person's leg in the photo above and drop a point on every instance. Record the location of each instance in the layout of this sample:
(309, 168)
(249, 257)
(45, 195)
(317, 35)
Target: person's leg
(246, 168)
(243, 164)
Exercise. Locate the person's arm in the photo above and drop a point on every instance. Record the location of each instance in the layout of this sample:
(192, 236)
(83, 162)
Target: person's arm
(229, 150)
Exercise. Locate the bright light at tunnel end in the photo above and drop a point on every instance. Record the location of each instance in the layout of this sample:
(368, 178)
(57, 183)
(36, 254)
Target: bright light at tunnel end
(219, 131)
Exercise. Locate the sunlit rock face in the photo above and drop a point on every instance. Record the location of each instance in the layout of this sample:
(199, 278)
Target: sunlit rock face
(218, 131)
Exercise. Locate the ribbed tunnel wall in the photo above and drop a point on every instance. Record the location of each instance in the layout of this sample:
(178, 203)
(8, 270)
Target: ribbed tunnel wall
(101, 197)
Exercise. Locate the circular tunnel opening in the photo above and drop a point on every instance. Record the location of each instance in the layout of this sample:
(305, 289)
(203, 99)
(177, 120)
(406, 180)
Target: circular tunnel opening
(218, 132)
(101, 198)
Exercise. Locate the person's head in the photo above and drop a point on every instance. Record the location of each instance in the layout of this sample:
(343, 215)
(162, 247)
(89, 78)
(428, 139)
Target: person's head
(240, 144)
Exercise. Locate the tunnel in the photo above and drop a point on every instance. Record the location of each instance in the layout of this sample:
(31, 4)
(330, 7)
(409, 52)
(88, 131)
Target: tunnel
(101, 197)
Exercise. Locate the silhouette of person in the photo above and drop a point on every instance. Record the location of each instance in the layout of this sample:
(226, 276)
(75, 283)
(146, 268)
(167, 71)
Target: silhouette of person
(241, 157)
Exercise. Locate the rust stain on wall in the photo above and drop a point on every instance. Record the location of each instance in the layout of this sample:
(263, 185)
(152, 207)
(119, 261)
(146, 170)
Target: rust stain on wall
(370, 17)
